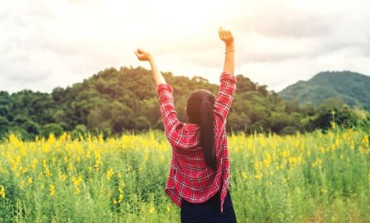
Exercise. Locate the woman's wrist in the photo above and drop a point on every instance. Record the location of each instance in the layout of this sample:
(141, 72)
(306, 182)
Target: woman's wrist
(230, 47)
(227, 51)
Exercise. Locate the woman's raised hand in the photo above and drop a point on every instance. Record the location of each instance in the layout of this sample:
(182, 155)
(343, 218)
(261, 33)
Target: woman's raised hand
(145, 56)
(226, 36)
(228, 39)
(142, 55)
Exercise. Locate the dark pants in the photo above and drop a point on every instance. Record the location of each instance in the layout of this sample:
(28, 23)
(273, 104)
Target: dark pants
(209, 211)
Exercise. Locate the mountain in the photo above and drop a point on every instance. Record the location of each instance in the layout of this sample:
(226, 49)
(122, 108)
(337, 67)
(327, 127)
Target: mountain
(352, 88)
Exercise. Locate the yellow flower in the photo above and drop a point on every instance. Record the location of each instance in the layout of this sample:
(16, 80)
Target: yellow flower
(258, 176)
(22, 184)
(77, 181)
(333, 125)
(318, 163)
(365, 141)
(151, 210)
(120, 198)
(245, 176)
(47, 172)
(77, 191)
(267, 161)
(2, 191)
(52, 190)
(34, 163)
(30, 181)
(63, 177)
(70, 166)
(110, 173)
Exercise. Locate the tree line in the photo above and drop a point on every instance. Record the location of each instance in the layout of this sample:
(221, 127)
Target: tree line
(115, 101)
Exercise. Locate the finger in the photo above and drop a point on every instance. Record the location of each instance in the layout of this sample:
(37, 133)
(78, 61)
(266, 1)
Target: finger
(142, 51)
(231, 36)
(227, 35)
(223, 36)
(138, 55)
(220, 32)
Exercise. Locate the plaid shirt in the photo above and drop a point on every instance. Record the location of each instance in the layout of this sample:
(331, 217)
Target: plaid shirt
(190, 178)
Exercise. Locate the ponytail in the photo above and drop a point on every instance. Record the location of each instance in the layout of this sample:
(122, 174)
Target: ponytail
(199, 110)
(207, 133)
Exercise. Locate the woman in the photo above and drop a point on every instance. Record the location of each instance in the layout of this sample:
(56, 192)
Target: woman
(199, 175)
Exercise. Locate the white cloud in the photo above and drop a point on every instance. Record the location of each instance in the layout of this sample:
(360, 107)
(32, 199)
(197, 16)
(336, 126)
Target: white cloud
(48, 44)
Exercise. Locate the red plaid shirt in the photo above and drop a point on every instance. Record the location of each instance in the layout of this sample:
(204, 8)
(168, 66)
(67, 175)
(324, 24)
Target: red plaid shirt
(190, 178)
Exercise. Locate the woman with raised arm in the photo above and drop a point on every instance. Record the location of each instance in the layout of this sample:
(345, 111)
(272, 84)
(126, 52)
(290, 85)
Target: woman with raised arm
(199, 174)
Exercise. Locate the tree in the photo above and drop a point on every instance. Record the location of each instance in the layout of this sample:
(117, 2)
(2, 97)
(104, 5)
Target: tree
(238, 122)
(78, 131)
(54, 128)
(32, 129)
(4, 126)
(142, 123)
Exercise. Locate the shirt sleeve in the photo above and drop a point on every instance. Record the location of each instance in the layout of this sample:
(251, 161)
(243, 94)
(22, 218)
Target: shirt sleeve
(172, 126)
(224, 98)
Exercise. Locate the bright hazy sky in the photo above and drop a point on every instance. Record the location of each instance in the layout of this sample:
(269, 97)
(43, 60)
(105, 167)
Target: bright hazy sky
(45, 44)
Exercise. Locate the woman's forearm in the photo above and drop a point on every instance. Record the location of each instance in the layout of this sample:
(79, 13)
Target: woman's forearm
(229, 59)
(145, 56)
(157, 75)
(227, 37)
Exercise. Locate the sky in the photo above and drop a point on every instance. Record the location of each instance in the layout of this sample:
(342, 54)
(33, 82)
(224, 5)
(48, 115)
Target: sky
(46, 44)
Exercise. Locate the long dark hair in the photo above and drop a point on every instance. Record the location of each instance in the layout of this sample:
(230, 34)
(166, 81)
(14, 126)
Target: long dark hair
(199, 110)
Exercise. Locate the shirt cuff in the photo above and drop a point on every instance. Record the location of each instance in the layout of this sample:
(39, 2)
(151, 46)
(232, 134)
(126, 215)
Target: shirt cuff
(164, 87)
(227, 76)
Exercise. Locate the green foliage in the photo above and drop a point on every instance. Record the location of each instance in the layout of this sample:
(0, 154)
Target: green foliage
(79, 131)
(52, 128)
(142, 123)
(116, 101)
(32, 128)
(4, 126)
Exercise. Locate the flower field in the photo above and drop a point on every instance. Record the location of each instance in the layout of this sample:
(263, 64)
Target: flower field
(314, 177)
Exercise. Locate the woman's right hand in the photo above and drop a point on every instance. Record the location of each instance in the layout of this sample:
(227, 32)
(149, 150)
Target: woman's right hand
(142, 55)
(226, 37)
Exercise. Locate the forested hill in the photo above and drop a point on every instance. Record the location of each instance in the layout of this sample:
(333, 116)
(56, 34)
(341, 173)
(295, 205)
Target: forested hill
(114, 101)
(111, 101)
(352, 88)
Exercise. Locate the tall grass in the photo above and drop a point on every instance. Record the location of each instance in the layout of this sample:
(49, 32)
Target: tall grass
(302, 178)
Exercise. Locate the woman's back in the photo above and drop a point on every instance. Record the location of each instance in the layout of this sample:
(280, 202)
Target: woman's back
(190, 178)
